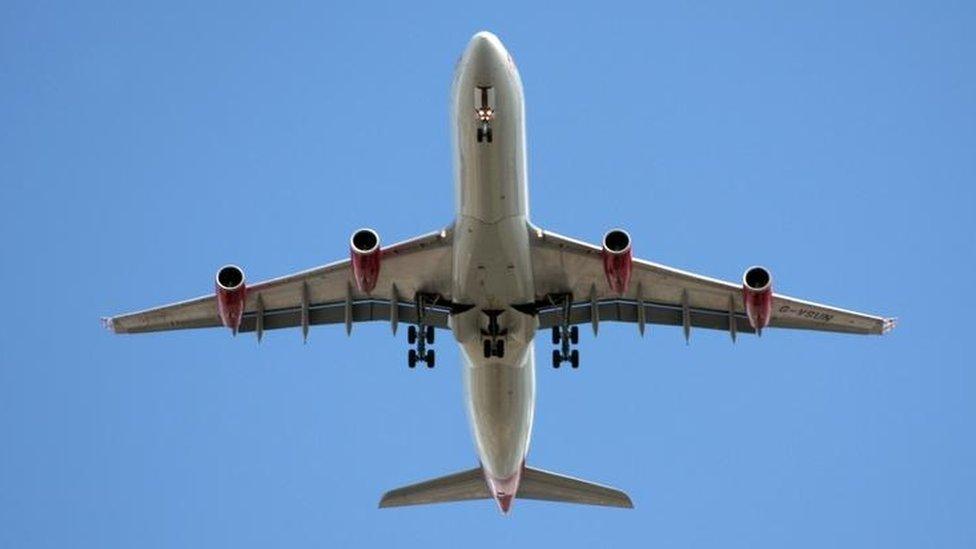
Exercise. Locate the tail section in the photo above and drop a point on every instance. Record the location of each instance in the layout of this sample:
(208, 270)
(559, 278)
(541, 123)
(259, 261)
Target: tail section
(535, 484)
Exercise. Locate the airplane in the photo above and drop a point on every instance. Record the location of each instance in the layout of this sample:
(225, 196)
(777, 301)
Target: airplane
(494, 280)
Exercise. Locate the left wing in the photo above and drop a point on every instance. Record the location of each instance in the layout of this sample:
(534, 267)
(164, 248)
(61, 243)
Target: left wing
(324, 295)
(658, 294)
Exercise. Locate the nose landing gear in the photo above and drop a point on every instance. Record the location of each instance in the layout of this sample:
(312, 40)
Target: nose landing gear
(486, 113)
(484, 133)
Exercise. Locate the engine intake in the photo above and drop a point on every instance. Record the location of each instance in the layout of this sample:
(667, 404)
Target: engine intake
(231, 292)
(364, 250)
(617, 259)
(757, 294)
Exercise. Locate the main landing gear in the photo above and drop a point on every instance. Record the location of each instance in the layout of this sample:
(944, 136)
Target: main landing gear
(494, 344)
(564, 335)
(421, 335)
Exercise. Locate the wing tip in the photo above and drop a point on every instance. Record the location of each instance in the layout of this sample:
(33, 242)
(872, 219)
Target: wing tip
(888, 324)
(109, 324)
(389, 499)
(621, 500)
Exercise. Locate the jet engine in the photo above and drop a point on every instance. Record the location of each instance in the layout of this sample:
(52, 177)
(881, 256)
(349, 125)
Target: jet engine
(364, 249)
(231, 295)
(617, 259)
(757, 294)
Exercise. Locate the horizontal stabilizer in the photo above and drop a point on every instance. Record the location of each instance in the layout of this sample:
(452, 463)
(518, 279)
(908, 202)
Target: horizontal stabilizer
(461, 486)
(535, 484)
(543, 485)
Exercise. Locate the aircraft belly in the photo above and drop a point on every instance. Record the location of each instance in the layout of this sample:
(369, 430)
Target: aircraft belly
(491, 263)
(492, 267)
(492, 270)
(500, 407)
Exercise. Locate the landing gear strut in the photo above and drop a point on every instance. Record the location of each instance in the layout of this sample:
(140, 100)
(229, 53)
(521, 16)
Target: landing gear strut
(564, 335)
(485, 114)
(422, 334)
(494, 344)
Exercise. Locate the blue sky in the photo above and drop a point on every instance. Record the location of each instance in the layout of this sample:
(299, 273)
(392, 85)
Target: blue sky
(141, 147)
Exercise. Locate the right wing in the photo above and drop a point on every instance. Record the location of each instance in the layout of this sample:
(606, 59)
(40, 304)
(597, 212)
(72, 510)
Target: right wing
(659, 294)
(326, 294)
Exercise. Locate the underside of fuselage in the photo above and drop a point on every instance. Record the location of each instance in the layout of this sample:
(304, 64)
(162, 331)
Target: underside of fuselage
(492, 266)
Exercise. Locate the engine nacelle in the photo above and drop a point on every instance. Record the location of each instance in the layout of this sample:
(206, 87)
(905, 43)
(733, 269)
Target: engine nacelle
(617, 259)
(364, 249)
(231, 295)
(757, 294)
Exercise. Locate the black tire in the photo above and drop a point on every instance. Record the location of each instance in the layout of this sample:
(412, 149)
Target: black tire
(500, 348)
(574, 358)
(574, 335)
(556, 335)
(557, 358)
(412, 358)
(487, 348)
(430, 358)
(488, 135)
(412, 335)
(430, 335)
(481, 135)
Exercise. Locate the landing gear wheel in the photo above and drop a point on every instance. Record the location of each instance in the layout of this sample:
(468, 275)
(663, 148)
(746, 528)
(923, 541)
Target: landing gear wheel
(412, 358)
(487, 348)
(574, 335)
(556, 336)
(574, 358)
(412, 335)
(481, 135)
(430, 335)
(430, 358)
(557, 359)
(488, 135)
(500, 348)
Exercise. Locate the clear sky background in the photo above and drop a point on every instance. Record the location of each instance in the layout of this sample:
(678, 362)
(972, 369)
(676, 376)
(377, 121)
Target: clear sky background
(141, 147)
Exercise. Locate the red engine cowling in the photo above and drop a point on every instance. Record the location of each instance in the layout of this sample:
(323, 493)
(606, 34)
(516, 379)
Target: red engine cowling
(617, 259)
(231, 296)
(757, 294)
(364, 249)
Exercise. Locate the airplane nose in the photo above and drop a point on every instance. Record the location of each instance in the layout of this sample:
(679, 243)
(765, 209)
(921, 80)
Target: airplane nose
(485, 40)
(485, 51)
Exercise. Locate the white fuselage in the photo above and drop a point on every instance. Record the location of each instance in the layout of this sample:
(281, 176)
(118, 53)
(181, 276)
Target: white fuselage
(492, 264)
